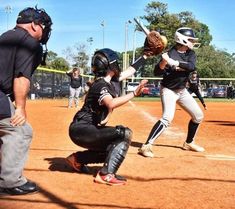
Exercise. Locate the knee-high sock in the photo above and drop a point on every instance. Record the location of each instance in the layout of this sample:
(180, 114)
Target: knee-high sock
(156, 131)
(192, 129)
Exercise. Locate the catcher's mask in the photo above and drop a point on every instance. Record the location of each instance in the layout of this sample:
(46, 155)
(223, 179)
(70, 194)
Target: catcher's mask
(186, 36)
(104, 60)
(39, 17)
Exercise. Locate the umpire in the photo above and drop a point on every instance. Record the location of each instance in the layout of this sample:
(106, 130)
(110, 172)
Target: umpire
(21, 52)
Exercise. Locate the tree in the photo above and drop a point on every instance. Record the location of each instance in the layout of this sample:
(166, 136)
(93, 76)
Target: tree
(214, 63)
(51, 56)
(78, 56)
(59, 63)
(55, 62)
(211, 62)
(161, 20)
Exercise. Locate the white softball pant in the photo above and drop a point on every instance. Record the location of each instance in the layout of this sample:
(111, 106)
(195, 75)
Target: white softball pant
(169, 99)
(74, 94)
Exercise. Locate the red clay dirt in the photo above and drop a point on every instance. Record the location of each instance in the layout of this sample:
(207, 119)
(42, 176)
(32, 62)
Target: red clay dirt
(173, 179)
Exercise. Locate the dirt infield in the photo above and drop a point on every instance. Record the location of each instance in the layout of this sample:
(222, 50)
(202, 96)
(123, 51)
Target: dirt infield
(174, 179)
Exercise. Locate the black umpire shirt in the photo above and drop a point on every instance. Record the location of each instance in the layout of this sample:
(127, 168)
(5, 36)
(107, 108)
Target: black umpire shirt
(20, 55)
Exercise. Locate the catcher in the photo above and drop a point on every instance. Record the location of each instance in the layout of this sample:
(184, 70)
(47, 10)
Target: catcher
(105, 144)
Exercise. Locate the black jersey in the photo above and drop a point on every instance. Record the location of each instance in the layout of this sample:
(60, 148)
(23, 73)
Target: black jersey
(93, 112)
(75, 82)
(173, 79)
(194, 84)
(20, 55)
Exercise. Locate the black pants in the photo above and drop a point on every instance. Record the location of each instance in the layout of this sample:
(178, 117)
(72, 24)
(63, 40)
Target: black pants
(104, 143)
(92, 137)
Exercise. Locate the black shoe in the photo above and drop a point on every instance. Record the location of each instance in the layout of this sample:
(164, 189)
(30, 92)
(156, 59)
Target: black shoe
(27, 188)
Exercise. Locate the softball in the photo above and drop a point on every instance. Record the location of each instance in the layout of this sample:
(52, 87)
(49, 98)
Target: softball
(164, 40)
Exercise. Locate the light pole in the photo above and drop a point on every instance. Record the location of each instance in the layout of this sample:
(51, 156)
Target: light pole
(103, 25)
(90, 40)
(125, 58)
(134, 48)
(8, 10)
(126, 45)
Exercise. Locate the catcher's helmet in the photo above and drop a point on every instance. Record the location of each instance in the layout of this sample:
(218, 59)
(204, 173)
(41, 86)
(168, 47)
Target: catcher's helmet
(186, 37)
(104, 60)
(38, 16)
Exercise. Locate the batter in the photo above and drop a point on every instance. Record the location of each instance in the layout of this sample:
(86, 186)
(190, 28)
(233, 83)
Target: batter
(175, 66)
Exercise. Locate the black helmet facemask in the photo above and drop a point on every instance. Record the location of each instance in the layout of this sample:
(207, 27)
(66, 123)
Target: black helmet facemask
(104, 60)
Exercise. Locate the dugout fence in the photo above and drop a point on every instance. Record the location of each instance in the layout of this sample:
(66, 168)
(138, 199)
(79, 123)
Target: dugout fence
(52, 83)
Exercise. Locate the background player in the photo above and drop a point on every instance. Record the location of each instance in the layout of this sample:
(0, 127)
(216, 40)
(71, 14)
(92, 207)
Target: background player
(75, 86)
(175, 66)
(20, 54)
(194, 85)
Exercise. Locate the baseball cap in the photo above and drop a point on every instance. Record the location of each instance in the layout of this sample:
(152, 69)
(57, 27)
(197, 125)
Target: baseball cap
(29, 15)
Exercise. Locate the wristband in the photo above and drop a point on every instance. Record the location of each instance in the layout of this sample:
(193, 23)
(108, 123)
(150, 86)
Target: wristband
(138, 63)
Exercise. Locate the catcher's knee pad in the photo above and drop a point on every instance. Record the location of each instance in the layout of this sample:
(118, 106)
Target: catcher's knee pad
(116, 155)
(124, 133)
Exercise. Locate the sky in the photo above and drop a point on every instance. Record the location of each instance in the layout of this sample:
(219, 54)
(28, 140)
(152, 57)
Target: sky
(76, 21)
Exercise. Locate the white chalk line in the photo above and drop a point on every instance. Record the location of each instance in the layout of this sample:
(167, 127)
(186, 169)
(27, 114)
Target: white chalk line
(219, 157)
(176, 133)
(171, 132)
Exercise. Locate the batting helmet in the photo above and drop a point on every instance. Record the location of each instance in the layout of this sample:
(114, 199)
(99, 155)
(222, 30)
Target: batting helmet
(186, 36)
(104, 60)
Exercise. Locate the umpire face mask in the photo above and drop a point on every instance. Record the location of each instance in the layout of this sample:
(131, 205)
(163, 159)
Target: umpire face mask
(46, 33)
(46, 23)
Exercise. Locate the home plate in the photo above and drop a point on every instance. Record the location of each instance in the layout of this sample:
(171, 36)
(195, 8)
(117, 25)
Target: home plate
(220, 157)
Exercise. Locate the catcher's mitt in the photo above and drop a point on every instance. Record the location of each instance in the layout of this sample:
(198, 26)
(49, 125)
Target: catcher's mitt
(154, 43)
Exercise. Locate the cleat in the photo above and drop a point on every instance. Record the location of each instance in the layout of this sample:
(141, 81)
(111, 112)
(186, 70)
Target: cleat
(72, 162)
(193, 147)
(109, 179)
(146, 150)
